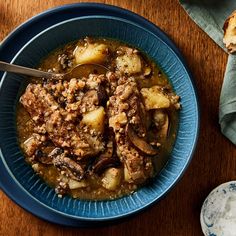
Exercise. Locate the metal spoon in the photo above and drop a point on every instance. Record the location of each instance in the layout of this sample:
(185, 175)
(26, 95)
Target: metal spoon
(79, 70)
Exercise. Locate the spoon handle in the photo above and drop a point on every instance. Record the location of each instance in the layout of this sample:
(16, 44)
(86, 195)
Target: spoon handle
(24, 70)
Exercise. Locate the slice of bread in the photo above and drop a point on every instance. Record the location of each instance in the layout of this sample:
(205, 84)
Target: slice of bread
(230, 33)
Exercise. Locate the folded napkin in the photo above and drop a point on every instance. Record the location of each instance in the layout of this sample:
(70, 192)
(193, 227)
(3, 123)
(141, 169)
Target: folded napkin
(210, 15)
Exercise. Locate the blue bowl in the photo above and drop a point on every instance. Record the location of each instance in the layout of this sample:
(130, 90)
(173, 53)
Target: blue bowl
(30, 186)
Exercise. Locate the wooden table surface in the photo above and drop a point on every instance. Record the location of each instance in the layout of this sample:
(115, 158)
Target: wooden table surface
(214, 161)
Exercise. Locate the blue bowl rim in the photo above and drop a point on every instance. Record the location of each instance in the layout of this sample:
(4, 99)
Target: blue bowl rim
(180, 58)
(4, 77)
(101, 7)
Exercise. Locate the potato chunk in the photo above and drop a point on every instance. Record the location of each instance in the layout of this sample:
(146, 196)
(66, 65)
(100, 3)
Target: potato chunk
(73, 184)
(116, 121)
(92, 53)
(112, 178)
(95, 119)
(154, 98)
(129, 63)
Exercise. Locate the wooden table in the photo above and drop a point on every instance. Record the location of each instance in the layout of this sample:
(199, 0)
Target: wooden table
(214, 161)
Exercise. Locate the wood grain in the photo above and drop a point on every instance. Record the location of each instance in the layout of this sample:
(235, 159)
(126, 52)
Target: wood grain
(214, 160)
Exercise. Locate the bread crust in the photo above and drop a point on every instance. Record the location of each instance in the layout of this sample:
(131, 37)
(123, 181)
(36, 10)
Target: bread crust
(229, 28)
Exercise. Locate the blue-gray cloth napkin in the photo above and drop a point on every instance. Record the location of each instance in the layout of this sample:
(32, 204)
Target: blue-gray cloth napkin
(210, 15)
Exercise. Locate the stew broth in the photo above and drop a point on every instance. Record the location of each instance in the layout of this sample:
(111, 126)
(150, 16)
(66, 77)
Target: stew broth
(92, 185)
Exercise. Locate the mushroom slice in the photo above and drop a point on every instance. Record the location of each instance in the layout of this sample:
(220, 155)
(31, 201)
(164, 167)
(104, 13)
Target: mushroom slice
(106, 160)
(105, 163)
(71, 168)
(165, 128)
(162, 122)
(102, 95)
(55, 152)
(43, 157)
(140, 143)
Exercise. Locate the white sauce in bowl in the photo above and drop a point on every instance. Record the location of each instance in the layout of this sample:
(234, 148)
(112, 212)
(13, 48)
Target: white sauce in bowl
(218, 213)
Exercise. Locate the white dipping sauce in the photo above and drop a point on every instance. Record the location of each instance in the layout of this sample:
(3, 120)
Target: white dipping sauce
(218, 213)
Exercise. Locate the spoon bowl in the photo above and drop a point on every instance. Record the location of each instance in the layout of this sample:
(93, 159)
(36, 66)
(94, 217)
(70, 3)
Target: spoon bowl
(83, 70)
(80, 70)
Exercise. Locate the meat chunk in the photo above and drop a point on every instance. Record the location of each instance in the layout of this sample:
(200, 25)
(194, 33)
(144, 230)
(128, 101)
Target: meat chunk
(139, 167)
(89, 102)
(124, 107)
(112, 80)
(43, 108)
